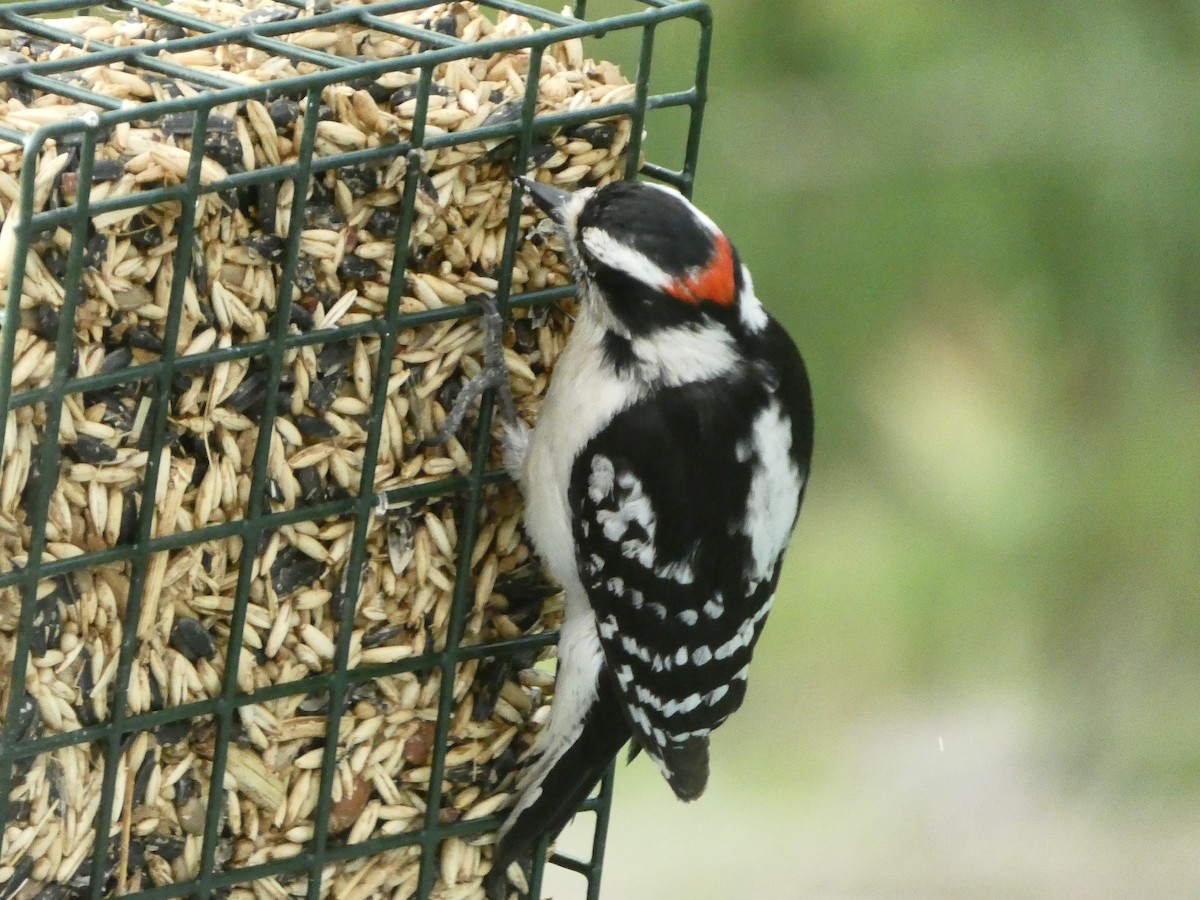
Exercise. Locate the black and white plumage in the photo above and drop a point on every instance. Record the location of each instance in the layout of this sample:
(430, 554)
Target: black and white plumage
(662, 483)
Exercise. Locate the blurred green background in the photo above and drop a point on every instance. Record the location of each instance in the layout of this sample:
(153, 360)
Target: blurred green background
(981, 222)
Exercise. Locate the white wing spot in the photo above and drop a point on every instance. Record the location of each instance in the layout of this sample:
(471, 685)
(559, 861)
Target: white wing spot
(688, 617)
(633, 648)
(601, 481)
(715, 695)
(715, 607)
(774, 490)
(701, 655)
(679, 572)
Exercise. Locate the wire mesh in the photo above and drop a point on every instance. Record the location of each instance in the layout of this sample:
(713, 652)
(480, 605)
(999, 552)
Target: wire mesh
(25, 577)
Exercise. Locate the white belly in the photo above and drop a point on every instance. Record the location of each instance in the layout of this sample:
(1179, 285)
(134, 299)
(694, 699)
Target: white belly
(582, 399)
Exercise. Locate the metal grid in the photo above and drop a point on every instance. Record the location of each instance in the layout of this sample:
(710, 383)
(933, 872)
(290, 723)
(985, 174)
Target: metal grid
(37, 19)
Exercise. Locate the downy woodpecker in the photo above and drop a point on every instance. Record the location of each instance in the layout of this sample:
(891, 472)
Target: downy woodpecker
(661, 482)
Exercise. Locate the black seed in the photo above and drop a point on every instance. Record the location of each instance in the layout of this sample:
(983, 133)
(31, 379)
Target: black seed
(137, 854)
(446, 25)
(33, 479)
(200, 271)
(274, 491)
(335, 356)
(90, 450)
(502, 152)
(27, 718)
(47, 625)
(301, 317)
(182, 124)
(526, 336)
(316, 704)
(157, 700)
(378, 92)
(55, 261)
(310, 483)
(526, 589)
(269, 246)
(107, 169)
(314, 427)
(46, 321)
(95, 251)
(249, 393)
(409, 91)
(226, 149)
(117, 360)
(425, 182)
(172, 733)
(192, 639)
(167, 32)
(357, 268)
(382, 636)
(86, 712)
(168, 85)
(268, 208)
(598, 134)
(306, 278)
(164, 845)
(335, 492)
(540, 152)
(361, 180)
(266, 14)
(338, 601)
(320, 214)
(489, 679)
(142, 338)
(293, 569)
(141, 781)
(129, 519)
(283, 112)
(324, 391)
(383, 222)
(185, 789)
(143, 233)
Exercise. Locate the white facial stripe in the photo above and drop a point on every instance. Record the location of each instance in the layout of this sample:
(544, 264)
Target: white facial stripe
(686, 353)
(615, 255)
(750, 310)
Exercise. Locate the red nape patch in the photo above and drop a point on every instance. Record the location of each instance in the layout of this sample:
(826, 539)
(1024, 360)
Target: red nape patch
(714, 283)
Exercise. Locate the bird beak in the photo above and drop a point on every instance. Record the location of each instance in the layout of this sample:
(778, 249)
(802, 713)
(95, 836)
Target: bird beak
(549, 199)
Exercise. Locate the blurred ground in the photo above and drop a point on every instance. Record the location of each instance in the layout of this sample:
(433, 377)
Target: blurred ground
(932, 802)
(981, 222)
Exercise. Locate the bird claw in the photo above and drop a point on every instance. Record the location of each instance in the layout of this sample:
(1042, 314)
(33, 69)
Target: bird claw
(494, 375)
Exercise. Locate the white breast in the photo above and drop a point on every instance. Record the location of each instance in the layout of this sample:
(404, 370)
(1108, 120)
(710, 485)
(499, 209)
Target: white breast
(583, 397)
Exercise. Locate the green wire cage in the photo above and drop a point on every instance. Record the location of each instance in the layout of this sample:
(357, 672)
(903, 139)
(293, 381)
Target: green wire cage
(260, 636)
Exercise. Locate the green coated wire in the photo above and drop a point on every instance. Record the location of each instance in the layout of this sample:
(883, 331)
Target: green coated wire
(115, 734)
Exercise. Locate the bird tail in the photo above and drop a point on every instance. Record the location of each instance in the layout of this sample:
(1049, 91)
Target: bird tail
(556, 782)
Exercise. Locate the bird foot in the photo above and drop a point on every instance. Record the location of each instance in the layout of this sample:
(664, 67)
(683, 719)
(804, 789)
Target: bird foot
(494, 375)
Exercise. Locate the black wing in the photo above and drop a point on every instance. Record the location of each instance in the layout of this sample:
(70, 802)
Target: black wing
(679, 580)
